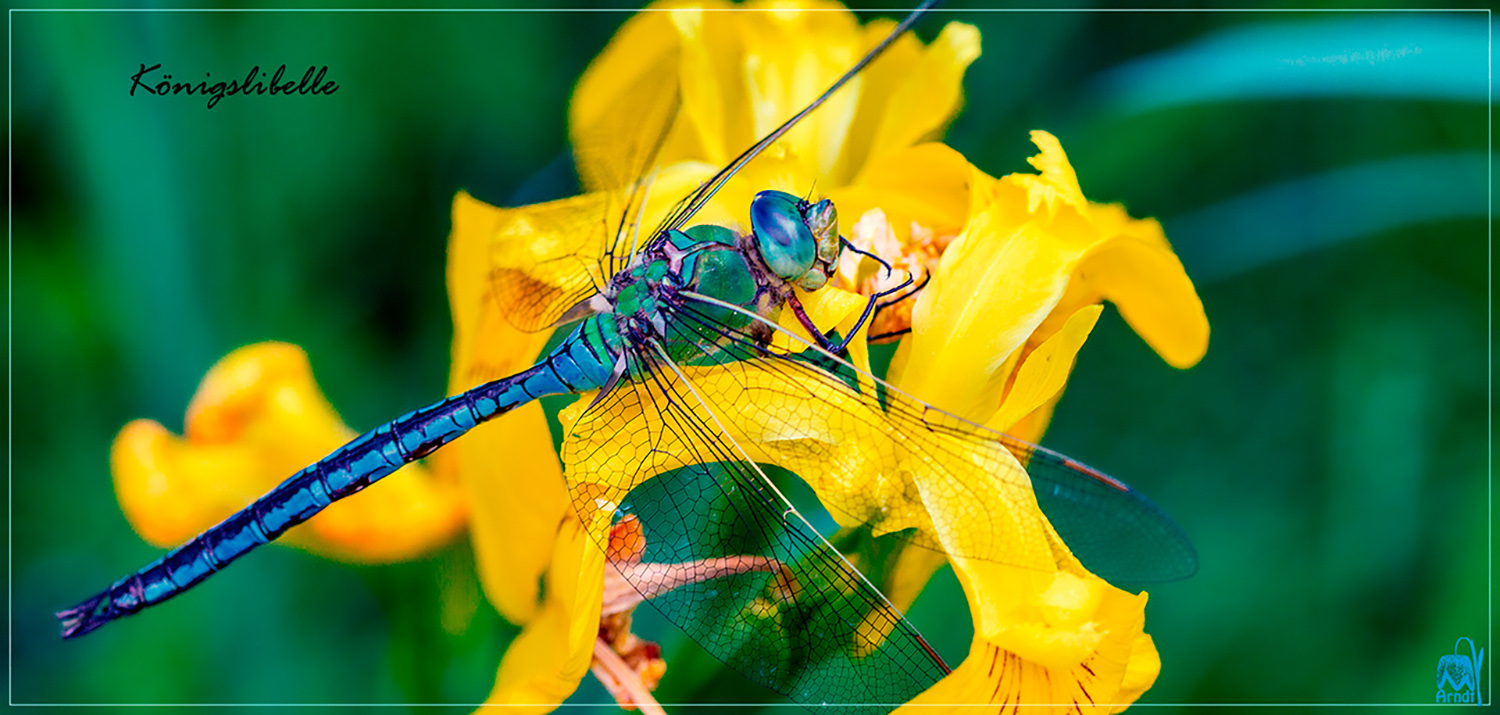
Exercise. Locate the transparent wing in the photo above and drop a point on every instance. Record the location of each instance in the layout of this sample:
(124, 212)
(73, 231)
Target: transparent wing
(616, 144)
(678, 446)
(551, 256)
(547, 258)
(878, 457)
(802, 621)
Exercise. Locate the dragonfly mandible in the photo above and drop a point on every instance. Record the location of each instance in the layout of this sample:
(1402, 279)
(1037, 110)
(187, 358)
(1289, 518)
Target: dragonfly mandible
(668, 323)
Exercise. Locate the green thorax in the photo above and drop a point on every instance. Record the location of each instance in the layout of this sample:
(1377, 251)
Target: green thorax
(792, 243)
(713, 261)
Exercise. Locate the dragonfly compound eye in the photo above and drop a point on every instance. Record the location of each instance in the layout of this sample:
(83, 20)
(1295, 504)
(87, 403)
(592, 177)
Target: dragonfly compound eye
(786, 243)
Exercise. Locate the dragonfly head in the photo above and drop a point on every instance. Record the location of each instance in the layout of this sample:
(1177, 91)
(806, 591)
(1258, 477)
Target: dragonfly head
(798, 240)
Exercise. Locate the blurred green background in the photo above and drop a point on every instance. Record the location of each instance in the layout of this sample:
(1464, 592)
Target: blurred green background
(1323, 176)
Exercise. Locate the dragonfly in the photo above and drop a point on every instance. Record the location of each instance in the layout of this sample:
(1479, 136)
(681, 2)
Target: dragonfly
(673, 329)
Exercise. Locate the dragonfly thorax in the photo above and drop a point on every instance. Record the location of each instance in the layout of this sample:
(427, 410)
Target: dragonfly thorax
(793, 243)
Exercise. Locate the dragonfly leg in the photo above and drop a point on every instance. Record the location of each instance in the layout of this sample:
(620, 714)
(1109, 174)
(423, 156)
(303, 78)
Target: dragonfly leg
(823, 341)
(911, 291)
(812, 328)
(875, 304)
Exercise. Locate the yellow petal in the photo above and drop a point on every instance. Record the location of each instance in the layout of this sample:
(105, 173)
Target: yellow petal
(713, 92)
(791, 57)
(625, 102)
(994, 286)
(928, 184)
(516, 502)
(1140, 673)
(156, 476)
(827, 308)
(1046, 631)
(257, 418)
(1031, 427)
(881, 80)
(1045, 370)
(1047, 637)
(525, 257)
(977, 311)
(992, 675)
(1033, 253)
(545, 663)
(1057, 182)
(740, 74)
(921, 103)
(1138, 272)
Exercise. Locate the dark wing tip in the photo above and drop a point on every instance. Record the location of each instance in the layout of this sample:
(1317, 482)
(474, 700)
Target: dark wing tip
(1113, 529)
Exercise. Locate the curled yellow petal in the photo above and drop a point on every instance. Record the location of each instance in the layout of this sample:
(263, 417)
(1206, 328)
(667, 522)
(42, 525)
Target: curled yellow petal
(1033, 253)
(155, 474)
(978, 311)
(1043, 636)
(1140, 672)
(1138, 272)
(1057, 181)
(1045, 370)
(257, 418)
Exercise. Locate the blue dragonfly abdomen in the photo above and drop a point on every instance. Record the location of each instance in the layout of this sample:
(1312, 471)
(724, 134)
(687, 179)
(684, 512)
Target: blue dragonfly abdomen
(630, 312)
(584, 361)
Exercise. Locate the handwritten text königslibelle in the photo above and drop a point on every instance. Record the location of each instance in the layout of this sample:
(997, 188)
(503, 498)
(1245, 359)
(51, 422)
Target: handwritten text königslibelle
(150, 81)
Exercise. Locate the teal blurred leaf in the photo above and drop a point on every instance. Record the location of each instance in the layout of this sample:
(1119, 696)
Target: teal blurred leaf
(1307, 213)
(1398, 55)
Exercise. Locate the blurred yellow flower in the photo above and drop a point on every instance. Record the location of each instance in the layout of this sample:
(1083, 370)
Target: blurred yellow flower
(257, 418)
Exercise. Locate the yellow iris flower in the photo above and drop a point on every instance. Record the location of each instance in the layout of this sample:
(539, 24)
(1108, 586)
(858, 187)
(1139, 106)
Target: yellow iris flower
(1018, 266)
(739, 75)
(994, 336)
